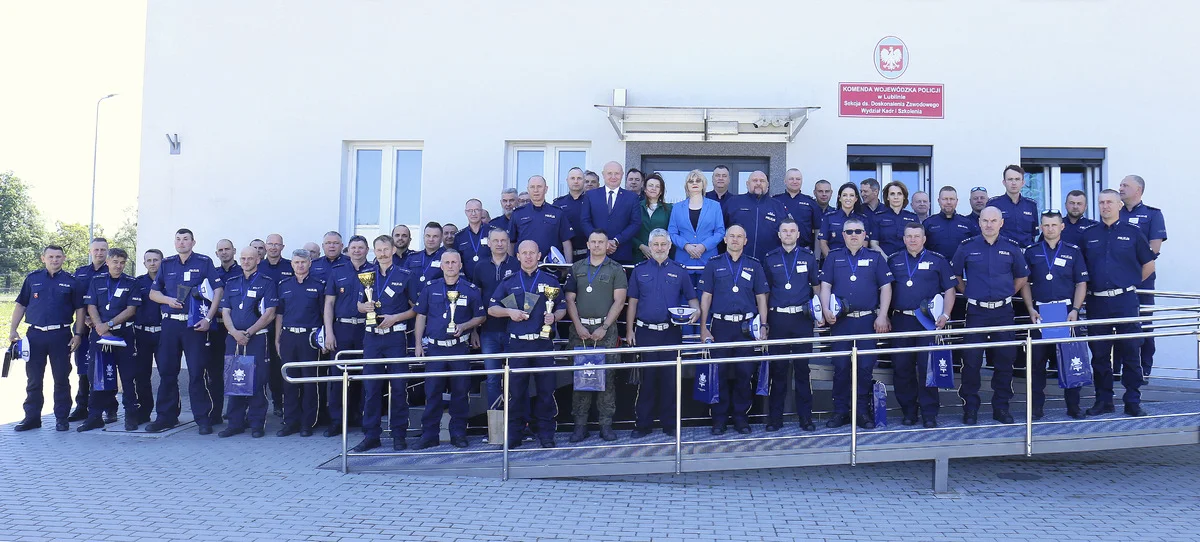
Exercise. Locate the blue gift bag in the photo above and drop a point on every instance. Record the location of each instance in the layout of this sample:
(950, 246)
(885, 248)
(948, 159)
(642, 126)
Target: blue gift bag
(1074, 365)
(589, 379)
(764, 378)
(708, 384)
(879, 400)
(939, 370)
(102, 369)
(239, 374)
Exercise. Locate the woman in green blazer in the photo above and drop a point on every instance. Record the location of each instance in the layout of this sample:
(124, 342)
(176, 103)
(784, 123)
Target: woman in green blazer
(655, 214)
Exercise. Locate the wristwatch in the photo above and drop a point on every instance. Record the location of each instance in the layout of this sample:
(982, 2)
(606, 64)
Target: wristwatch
(109, 323)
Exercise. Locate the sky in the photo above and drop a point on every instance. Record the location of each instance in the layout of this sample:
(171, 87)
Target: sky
(56, 59)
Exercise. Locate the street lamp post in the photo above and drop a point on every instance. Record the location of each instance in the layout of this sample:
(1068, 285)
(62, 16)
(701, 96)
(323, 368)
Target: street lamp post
(95, 148)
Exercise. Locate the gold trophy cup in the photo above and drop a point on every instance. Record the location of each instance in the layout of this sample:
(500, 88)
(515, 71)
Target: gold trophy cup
(551, 293)
(452, 296)
(368, 282)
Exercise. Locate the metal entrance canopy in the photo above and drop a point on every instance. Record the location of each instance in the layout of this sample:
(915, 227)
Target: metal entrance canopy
(718, 124)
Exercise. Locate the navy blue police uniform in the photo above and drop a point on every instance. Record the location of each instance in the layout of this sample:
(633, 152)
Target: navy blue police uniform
(988, 271)
(944, 233)
(323, 266)
(792, 277)
(916, 279)
(831, 227)
(889, 228)
(1150, 221)
(856, 279)
(1053, 274)
(83, 275)
(546, 225)
(760, 217)
(656, 286)
(573, 208)
(493, 334)
(50, 302)
(807, 214)
(214, 372)
(1020, 218)
(279, 271)
(424, 266)
(1073, 231)
(301, 303)
(528, 290)
(111, 296)
(1115, 255)
(147, 326)
(434, 303)
(179, 340)
(247, 299)
(343, 286)
(473, 247)
(723, 199)
(734, 286)
(395, 290)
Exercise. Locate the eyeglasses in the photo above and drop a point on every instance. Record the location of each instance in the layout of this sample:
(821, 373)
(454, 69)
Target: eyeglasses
(978, 189)
(855, 232)
(1052, 212)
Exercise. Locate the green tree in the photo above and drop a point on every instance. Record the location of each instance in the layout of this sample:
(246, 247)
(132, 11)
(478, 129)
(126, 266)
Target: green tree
(73, 238)
(22, 233)
(126, 238)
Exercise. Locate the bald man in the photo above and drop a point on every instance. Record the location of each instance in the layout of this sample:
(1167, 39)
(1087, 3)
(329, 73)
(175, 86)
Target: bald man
(247, 310)
(614, 210)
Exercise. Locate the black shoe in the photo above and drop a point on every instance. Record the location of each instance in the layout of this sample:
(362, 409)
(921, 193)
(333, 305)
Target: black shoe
(306, 432)
(581, 432)
(742, 428)
(1076, 414)
(287, 430)
(669, 431)
(639, 433)
(515, 443)
(366, 444)
(838, 420)
(91, 423)
(333, 431)
(930, 423)
(158, 426)
(773, 427)
(1038, 414)
(1002, 416)
(61, 426)
(1100, 408)
(909, 420)
(865, 422)
(970, 417)
(79, 414)
(459, 442)
(1135, 410)
(258, 432)
(422, 444)
(399, 444)
(144, 418)
(131, 424)
(26, 425)
(230, 431)
(205, 430)
(718, 429)
(607, 433)
(807, 424)
(547, 442)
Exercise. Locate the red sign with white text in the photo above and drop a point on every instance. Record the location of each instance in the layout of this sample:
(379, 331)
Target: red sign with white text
(891, 100)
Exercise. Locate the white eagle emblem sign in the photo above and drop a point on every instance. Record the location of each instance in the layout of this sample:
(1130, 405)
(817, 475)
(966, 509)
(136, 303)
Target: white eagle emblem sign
(891, 57)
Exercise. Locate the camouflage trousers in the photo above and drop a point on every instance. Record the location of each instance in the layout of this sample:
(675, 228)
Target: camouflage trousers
(606, 401)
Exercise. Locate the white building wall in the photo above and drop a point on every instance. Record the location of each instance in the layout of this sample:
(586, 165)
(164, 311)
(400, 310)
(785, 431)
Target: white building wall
(264, 95)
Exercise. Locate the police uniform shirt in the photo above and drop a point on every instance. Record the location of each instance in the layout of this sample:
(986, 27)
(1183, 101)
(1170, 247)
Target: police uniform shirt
(473, 247)
(322, 266)
(943, 234)
(989, 269)
(434, 303)
(1073, 231)
(175, 273)
(347, 291)
(149, 312)
(929, 275)
(425, 267)
(573, 209)
(301, 304)
(1149, 220)
(722, 275)
(85, 273)
(248, 298)
(396, 290)
(227, 274)
(278, 271)
(546, 225)
(658, 287)
(499, 223)
(723, 200)
(488, 277)
(1063, 264)
(805, 211)
(50, 300)
(856, 278)
(1115, 255)
(595, 285)
(889, 227)
(522, 286)
(760, 217)
(1020, 218)
(791, 276)
(401, 257)
(832, 222)
(112, 296)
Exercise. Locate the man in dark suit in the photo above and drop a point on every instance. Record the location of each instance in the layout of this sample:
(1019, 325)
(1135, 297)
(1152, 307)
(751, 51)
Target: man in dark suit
(614, 210)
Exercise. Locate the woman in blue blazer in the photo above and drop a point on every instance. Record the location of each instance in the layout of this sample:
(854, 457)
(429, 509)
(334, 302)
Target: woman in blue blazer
(697, 224)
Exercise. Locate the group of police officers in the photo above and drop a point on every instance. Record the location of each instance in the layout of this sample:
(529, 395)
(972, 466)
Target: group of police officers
(486, 287)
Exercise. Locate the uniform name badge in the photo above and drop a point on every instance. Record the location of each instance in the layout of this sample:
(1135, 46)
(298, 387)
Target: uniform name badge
(187, 276)
(389, 291)
(746, 275)
(802, 268)
(1060, 262)
(436, 264)
(924, 265)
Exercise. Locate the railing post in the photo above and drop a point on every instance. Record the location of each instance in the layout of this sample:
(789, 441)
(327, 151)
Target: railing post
(854, 403)
(505, 393)
(678, 411)
(345, 416)
(1029, 394)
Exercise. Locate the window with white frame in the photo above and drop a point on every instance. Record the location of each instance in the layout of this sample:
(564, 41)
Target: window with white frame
(909, 164)
(551, 160)
(384, 187)
(1053, 172)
